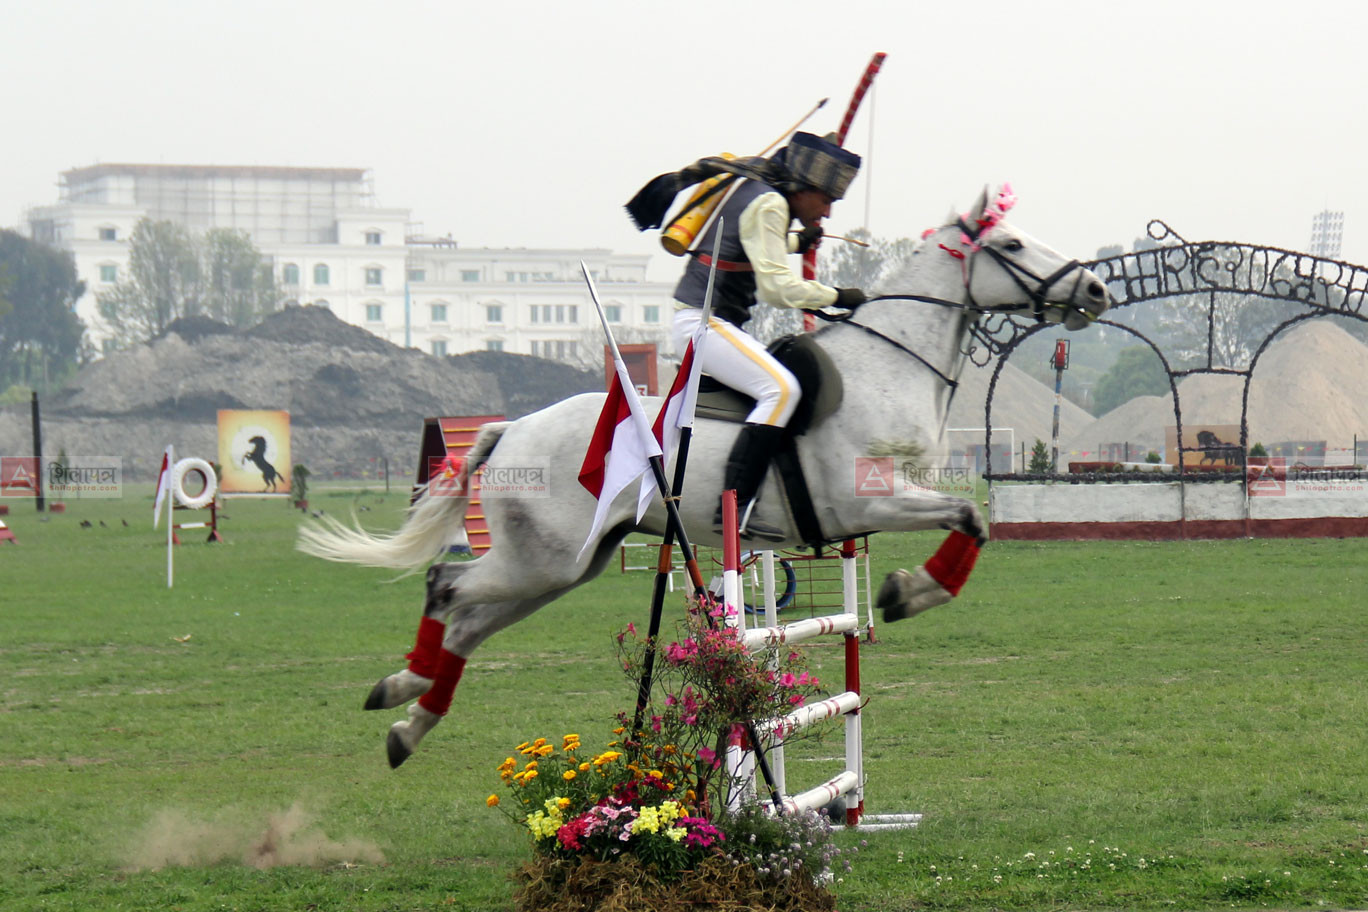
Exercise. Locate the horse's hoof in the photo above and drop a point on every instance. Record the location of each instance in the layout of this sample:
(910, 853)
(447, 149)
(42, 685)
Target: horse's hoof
(396, 749)
(396, 690)
(405, 734)
(376, 698)
(904, 594)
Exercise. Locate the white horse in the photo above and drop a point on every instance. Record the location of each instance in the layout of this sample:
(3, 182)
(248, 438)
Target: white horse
(895, 359)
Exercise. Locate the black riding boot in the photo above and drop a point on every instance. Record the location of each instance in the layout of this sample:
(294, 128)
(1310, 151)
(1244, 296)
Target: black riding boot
(747, 465)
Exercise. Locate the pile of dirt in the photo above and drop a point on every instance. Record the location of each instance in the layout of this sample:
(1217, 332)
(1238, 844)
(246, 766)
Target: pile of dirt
(354, 399)
(1306, 386)
(1020, 402)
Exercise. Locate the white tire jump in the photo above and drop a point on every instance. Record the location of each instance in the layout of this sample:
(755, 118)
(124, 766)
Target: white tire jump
(185, 467)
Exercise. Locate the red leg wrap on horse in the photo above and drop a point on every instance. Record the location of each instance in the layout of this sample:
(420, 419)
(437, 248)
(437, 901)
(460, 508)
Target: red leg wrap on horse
(423, 658)
(955, 582)
(943, 565)
(438, 698)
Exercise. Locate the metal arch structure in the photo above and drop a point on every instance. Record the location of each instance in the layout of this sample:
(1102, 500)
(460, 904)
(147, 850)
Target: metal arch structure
(1176, 267)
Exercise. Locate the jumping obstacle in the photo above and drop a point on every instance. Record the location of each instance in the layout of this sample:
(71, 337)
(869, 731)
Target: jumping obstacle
(450, 437)
(849, 783)
(184, 500)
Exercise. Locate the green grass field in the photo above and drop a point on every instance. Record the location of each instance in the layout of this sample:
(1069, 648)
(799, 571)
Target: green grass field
(1101, 725)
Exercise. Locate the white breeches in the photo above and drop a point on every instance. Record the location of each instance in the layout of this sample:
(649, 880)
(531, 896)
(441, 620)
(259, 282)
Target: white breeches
(741, 362)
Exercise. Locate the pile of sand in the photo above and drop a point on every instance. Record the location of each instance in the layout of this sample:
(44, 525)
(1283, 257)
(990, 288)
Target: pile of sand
(1307, 386)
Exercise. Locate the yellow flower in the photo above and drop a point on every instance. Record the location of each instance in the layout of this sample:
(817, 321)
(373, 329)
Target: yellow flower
(528, 776)
(492, 801)
(676, 833)
(656, 774)
(539, 742)
(562, 803)
(545, 750)
(619, 730)
(568, 775)
(508, 764)
(531, 764)
(569, 740)
(584, 767)
(521, 746)
(690, 796)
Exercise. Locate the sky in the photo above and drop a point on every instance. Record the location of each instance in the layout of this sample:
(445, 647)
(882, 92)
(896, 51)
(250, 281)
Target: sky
(528, 123)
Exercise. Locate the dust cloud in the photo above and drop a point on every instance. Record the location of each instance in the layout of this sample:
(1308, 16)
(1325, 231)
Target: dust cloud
(175, 838)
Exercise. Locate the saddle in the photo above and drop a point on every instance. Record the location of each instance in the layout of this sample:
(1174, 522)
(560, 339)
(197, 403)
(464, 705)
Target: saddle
(818, 378)
(822, 391)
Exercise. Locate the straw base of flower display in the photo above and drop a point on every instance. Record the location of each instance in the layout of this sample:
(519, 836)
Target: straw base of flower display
(626, 885)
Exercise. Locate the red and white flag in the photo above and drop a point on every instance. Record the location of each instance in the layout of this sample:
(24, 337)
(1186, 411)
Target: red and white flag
(623, 443)
(677, 411)
(163, 485)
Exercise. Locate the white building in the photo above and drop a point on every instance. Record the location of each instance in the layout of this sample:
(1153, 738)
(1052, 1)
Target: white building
(331, 246)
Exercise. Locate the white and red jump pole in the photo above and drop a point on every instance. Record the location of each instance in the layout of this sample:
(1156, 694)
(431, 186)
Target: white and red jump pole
(740, 762)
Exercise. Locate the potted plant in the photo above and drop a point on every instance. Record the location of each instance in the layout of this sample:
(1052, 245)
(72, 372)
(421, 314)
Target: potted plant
(300, 481)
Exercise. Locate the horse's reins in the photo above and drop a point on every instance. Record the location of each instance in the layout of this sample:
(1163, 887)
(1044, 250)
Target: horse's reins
(1014, 270)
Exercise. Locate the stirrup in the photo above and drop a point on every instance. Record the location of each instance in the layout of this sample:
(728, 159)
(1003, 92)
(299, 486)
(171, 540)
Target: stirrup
(752, 530)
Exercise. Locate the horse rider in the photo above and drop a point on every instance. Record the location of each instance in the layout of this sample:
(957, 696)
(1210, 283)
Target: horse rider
(800, 181)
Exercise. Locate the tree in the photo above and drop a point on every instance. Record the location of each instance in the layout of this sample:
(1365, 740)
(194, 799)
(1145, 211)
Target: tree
(239, 287)
(173, 274)
(40, 334)
(1040, 459)
(847, 265)
(1137, 372)
(163, 283)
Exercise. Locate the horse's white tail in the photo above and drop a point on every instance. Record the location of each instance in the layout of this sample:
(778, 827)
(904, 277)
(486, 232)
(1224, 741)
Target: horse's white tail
(427, 531)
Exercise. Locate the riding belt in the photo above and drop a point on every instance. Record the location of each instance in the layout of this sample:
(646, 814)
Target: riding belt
(724, 265)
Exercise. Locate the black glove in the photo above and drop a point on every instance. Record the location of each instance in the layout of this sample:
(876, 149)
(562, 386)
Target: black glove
(809, 238)
(850, 298)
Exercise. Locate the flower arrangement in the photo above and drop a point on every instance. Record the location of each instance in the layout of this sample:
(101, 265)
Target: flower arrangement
(652, 805)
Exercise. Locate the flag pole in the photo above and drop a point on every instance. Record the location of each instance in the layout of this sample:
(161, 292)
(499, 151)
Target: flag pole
(662, 576)
(170, 521)
(690, 563)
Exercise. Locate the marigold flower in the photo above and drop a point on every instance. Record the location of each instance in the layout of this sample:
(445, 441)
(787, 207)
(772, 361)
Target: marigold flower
(492, 801)
(545, 750)
(521, 746)
(584, 767)
(619, 730)
(508, 764)
(568, 775)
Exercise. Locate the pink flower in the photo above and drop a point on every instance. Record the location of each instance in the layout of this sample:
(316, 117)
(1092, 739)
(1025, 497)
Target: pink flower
(788, 680)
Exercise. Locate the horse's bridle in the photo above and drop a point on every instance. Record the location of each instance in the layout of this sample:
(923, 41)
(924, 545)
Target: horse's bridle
(1016, 271)
(971, 307)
